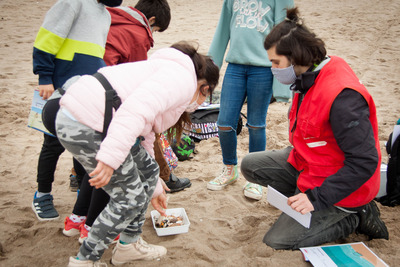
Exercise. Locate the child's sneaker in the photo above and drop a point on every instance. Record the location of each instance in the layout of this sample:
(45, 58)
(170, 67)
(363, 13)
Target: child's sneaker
(229, 175)
(253, 191)
(73, 182)
(136, 251)
(44, 207)
(73, 262)
(71, 228)
(83, 233)
(115, 240)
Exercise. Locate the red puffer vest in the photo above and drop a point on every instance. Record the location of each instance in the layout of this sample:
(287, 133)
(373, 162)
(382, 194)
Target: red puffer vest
(316, 152)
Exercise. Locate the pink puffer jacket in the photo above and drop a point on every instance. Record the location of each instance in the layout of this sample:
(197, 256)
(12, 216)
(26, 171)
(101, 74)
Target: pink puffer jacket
(154, 94)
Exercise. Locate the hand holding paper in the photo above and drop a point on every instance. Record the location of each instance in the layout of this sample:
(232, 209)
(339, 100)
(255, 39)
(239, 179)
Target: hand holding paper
(280, 201)
(300, 203)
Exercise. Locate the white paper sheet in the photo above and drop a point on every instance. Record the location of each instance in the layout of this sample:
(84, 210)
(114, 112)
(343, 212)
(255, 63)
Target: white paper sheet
(279, 201)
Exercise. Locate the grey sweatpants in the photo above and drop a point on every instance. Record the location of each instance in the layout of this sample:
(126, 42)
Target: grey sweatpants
(130, 188)
(328, 225)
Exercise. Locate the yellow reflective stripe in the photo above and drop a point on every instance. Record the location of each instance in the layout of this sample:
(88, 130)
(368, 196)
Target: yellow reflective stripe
(48, 41)
(71, 47)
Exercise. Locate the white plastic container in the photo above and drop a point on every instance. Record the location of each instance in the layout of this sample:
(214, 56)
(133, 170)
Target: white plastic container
(174, 230)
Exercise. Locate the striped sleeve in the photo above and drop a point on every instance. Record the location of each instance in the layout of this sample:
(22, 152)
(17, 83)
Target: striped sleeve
(50, 38)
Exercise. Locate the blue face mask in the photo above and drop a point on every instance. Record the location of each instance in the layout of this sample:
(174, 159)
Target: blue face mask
(284, 76)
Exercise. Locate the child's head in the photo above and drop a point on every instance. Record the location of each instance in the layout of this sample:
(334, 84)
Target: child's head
(157, 11)
(206, 71)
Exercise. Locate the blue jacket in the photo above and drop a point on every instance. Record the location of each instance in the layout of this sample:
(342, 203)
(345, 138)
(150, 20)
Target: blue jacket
(71, 41)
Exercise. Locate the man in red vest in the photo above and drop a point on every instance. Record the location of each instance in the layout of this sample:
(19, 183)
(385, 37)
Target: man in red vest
(333, 167)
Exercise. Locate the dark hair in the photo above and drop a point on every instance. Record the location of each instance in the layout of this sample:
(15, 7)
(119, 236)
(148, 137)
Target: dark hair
(158, 9)
(203, 65)
(295, 41)
(205, 69)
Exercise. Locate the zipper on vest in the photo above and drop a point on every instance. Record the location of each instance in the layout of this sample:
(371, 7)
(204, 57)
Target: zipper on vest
(300, 100)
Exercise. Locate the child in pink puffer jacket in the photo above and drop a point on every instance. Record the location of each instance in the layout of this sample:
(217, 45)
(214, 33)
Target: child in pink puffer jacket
(156, 95)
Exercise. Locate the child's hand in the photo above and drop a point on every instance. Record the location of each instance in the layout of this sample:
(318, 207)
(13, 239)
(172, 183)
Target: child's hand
(101, 175)
(160, 203)
(46, 90)
(165, 187)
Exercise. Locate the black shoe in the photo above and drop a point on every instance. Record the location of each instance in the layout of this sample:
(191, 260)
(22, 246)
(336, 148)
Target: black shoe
(73, 183)
(371, 223)
(177, 184)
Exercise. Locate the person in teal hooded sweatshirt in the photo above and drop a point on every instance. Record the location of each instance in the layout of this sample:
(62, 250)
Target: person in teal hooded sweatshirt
(244, 25)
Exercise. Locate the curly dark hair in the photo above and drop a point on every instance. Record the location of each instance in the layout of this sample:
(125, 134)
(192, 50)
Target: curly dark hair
(294, 40)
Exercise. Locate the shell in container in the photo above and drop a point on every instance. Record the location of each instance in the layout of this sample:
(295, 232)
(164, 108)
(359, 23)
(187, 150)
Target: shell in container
(176, 222)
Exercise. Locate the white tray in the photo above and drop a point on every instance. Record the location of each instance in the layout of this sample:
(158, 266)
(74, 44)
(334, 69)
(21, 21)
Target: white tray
(174, 230)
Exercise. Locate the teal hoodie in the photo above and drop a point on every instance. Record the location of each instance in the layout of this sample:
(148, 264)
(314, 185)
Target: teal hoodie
(244, 24)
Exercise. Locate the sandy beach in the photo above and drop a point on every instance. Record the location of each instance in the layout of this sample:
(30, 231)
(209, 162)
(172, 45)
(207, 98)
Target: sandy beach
(226, 228)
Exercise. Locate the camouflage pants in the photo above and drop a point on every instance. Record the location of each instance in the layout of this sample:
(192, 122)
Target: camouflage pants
(130, 188)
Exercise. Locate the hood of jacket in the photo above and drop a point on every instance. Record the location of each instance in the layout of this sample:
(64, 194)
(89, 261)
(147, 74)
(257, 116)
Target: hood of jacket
(129, 15)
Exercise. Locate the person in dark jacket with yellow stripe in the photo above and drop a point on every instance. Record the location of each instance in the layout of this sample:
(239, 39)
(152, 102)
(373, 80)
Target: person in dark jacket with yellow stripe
(71, 41)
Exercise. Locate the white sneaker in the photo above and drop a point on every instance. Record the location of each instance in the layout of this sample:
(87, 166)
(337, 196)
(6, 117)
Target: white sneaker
(253, 191)
(86, 263)
(228, 176)
(136, 251)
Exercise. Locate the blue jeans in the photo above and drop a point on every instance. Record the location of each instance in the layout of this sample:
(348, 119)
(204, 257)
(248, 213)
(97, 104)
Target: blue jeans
(243, 81)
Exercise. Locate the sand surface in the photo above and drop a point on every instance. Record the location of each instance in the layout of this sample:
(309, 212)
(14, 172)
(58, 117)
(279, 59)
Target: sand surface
(226, 228)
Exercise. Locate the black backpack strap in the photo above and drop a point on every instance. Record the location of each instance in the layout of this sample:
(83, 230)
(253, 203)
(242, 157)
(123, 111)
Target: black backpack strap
(61, 90)
(112, 100)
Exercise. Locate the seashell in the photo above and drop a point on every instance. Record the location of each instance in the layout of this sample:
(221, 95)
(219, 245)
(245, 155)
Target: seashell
(161, 222)
(168, 221)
